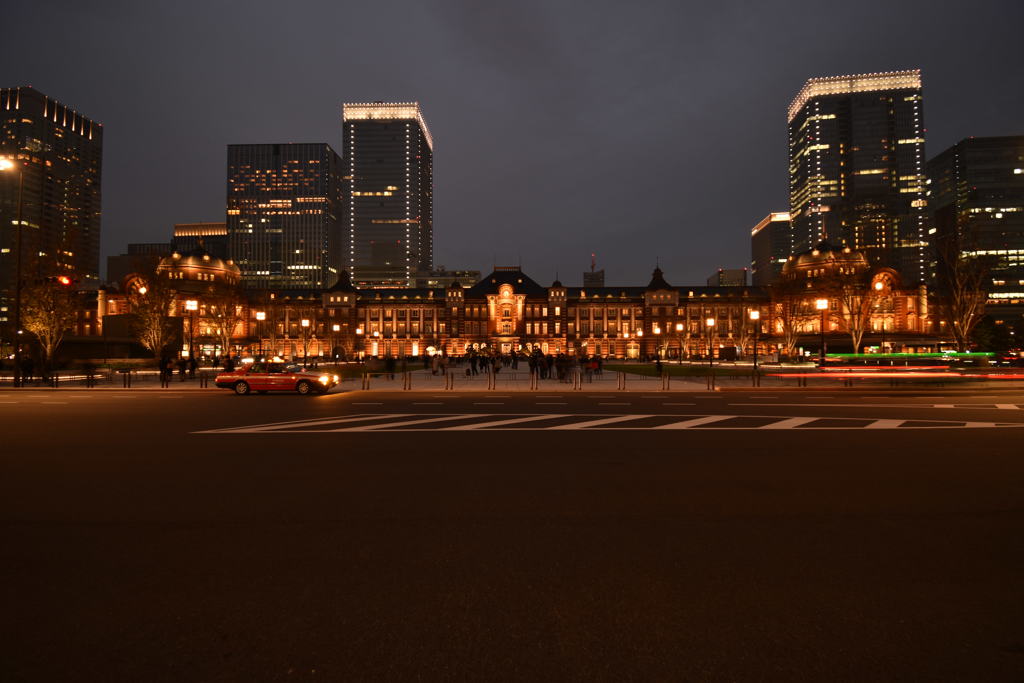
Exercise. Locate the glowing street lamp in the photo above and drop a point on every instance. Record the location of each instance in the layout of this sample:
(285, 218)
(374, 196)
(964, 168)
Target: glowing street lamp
(191, 305)
(822, 305)
(679, 338)
(709, 323)
(260, 317)
(755, 317)
(7, 164)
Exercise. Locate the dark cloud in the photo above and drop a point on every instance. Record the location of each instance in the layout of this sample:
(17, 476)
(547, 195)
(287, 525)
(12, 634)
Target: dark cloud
(640, 131)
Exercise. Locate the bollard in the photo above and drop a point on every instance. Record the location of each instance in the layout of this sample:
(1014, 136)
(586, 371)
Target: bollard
(621, 379)
(366, 381)
(666, 381)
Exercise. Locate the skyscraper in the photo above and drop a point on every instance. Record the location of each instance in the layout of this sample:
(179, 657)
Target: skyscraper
(769, 248)
(976, 195)
(856, 168)
(56, 154)
(390, 216)
(284, 212)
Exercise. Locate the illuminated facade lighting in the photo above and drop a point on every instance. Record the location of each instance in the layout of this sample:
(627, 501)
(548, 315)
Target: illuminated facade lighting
(856, 169)
(388, 156)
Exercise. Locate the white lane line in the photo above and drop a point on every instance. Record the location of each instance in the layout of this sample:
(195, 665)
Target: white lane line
(788, 423)
(944, 405)
(1007, 406)
(884, 424)
(686, 424)
(499, 423)
(8, 401)
(282, 426)
(603, 421)
(391, 425)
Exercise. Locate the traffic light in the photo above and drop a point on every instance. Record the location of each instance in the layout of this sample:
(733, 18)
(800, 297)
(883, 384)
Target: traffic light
(62, 280)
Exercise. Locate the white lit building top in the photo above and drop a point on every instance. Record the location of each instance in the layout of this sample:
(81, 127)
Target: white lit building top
(773, 217)
(844, 85)
(387, 111)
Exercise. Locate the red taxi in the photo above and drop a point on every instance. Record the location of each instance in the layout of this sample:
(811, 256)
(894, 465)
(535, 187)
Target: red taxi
(264, 376)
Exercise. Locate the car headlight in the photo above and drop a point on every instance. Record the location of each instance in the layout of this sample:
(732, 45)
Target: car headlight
(324, 379)
(336, 379)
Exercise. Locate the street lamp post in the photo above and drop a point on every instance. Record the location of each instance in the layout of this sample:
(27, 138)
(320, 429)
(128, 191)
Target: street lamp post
(881, 307)
(7, 165)
(304, 324)
(260, 317)
(822, 305)
(710, 325)
(679, 339)
(191, 305)
(755, 317)
(335, 329)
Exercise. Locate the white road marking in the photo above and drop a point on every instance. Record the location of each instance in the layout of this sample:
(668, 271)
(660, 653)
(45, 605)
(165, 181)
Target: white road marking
(280, 426)
(500, 423)
(686, 424)
(788, 423)
(8, 401)
(1007, 406)
(604, 421)
(587, 422)
(391, 425)
(885, 424)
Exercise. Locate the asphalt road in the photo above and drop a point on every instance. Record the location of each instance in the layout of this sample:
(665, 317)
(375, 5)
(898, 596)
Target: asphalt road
(199, 536)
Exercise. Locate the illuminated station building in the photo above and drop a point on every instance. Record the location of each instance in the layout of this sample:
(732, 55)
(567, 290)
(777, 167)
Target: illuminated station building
(857, 169)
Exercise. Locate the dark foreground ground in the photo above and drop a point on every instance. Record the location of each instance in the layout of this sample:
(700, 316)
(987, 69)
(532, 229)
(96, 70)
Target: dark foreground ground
(137, 550)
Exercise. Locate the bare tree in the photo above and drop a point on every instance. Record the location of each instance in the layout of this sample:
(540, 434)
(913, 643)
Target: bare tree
(152, 304)
(226, 313)
(856, 301)
(49, 310)
(789, 312)
(961, 288)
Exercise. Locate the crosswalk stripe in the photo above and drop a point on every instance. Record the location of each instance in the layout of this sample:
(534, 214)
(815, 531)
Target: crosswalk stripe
(501, 423)
(1007, 406)
(788, 423)
(603, 421)
(391, 425)
(686, 424)
(884, 424)
(280, 426)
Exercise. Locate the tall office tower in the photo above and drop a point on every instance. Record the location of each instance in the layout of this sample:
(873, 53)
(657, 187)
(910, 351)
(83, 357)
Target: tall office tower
(390, 214)
(976, 195)
(769, 248)
(856, 168)
(56, 154)
(728, 277)
(284, 215)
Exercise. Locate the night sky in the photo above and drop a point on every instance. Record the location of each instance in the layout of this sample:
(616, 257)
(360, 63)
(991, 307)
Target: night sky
(636, 130)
